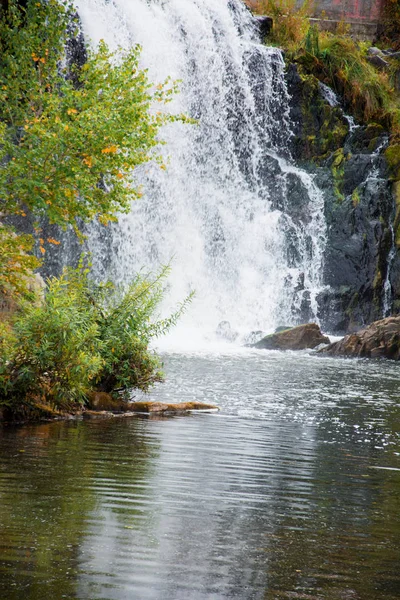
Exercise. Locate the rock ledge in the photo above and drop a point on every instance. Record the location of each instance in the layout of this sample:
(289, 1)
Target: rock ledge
(381, 339)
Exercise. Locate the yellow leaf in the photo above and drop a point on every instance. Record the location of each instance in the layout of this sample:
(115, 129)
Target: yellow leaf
(110, 150)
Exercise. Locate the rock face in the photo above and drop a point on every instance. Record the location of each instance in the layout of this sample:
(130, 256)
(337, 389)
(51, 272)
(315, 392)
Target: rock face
(296, 338)
(379, 340)
(362, 261)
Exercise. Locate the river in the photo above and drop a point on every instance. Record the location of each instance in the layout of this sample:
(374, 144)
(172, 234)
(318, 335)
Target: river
(291, 490)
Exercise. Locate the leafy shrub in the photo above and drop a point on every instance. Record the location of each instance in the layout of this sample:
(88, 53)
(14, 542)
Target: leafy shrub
(82, 337)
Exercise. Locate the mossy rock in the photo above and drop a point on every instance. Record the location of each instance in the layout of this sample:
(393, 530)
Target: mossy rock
(392, 155)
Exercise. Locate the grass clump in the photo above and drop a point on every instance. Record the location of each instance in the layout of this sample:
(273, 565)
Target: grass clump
(82, 337)
(341, 63)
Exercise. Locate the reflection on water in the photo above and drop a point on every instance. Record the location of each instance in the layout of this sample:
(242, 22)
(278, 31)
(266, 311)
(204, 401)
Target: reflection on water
(277, 496)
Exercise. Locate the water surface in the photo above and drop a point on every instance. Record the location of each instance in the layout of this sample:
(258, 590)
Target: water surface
(291, 491)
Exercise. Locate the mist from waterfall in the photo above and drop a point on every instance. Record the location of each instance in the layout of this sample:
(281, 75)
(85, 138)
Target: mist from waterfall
(221, 212)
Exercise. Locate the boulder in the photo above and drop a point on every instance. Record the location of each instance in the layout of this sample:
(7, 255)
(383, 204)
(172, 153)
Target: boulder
(374, 51)
(380, 339)
(378, 61)
(296, 338)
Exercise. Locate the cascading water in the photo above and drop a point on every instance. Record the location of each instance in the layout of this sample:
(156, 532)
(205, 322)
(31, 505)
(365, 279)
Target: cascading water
(222, 210)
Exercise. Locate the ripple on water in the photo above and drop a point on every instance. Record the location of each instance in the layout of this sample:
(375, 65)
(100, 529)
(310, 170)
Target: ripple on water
(291, 491)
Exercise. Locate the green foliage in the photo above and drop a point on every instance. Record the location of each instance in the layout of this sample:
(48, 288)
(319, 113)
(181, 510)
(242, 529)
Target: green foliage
(55, 350)
(16, 264)
(126, 328)
(69, 151)
(82, 337)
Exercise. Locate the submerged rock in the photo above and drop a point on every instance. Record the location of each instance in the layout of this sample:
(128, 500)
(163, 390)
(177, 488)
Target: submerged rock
(296, 338)
(225, 331)
(101, 402)
(163, 407)
(380, 339)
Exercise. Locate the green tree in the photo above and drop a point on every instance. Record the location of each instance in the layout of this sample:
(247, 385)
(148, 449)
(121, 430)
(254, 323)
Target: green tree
(69, 151)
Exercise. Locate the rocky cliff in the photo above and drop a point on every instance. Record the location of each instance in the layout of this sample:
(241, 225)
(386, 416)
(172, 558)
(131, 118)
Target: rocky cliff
(362, 261)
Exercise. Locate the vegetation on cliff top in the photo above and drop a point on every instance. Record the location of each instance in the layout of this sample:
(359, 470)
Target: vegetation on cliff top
(336, 60)
(71, 137)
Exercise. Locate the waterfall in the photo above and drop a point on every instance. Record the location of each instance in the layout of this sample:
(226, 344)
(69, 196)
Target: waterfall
(223, 211)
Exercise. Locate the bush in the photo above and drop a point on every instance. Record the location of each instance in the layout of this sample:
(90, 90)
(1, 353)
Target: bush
(82, 337)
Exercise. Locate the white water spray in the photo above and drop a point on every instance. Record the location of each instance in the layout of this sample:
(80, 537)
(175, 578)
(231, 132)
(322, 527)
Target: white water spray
(218, 211)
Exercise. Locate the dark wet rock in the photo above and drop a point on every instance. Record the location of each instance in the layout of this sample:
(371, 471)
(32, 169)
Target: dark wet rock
(264, 25)
(318, 127)
(297, 199)
(359, 240)
(365, 140)
(352, 169)
(381, 339)
(76, 51)
(302, 337)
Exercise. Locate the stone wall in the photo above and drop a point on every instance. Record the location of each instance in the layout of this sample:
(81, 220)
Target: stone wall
(357, 11)
(349, 10)
(362, 16)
